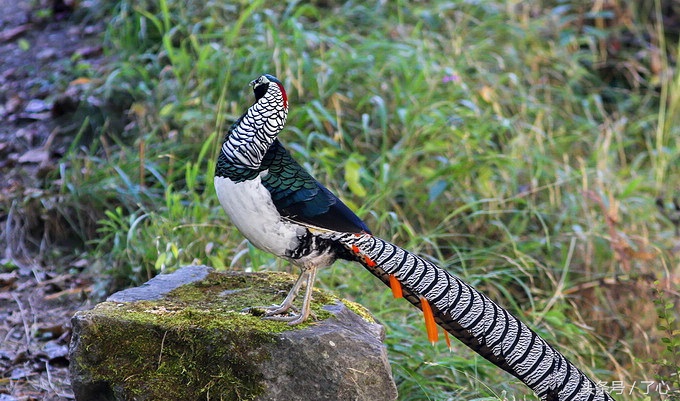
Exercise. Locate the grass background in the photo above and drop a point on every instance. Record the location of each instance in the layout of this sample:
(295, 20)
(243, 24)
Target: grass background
(531, 148)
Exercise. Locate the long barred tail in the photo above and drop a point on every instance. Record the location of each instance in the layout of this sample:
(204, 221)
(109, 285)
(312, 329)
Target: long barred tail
(476, 320)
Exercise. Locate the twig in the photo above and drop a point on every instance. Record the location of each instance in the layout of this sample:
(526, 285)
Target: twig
(27, 330)
(160, 354)
(49, 376)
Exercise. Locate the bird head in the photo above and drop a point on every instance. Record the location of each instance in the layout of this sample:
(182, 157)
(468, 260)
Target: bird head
(261, 86)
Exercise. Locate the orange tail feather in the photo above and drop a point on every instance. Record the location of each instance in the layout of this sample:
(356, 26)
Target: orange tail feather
(395, 285)
(430, 325)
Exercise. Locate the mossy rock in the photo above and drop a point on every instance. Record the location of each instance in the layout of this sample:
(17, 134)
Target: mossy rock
(185, 336)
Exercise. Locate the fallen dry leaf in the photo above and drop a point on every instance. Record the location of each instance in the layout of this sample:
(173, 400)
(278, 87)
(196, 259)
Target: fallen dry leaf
(89, 51)
(13, 33)
(47, 330)
(70, 291)
(34, 156)
(22, 373)
(54, 350)
(13, 104)
(80, 263)
(80, 81)
(36, 106)
(7, 279)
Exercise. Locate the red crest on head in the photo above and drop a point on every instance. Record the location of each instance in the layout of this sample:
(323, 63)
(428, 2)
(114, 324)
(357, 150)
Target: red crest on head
(285, 96)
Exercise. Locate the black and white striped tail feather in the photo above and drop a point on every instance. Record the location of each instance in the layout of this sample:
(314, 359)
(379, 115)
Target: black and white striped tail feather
(477, 321)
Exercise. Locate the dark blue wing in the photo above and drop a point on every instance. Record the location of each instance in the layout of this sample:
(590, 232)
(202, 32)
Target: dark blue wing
(299, 197)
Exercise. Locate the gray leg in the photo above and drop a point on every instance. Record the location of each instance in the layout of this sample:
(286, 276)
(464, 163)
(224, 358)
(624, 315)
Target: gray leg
(288, 302)
(307, 276)
(307, 300)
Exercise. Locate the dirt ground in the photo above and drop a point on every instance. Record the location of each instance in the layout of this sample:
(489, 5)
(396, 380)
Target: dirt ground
(40, 43)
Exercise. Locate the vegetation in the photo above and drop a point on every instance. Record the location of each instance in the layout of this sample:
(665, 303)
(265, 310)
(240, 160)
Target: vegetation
(526, 148)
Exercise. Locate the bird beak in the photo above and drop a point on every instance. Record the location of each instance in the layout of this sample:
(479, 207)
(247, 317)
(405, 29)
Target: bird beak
(252, 83)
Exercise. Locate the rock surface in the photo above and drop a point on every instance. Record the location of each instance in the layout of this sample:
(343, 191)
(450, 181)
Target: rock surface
(183, 336)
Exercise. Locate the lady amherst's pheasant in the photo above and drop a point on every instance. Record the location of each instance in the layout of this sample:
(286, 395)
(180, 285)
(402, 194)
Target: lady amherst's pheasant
(283, 210)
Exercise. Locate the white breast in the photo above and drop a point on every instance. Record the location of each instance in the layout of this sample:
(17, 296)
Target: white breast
(250, 207)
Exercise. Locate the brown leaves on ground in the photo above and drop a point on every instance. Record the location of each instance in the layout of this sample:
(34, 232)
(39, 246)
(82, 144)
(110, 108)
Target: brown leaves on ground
(35, 331)
(38, 90)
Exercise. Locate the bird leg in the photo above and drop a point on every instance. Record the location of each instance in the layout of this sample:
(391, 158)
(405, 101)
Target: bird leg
(307, 299)
(307, 276)
(288, 302)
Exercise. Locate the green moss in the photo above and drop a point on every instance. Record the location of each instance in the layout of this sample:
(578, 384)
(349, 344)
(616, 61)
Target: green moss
(359, 310)
(195, 342)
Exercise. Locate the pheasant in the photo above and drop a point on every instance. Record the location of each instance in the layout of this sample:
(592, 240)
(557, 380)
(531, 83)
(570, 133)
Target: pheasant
(280, 208)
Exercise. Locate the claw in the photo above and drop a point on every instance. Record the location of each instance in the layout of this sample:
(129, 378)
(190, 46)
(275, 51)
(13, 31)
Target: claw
(266, 311)
(279, 310)
(291, 319)
(276, 312)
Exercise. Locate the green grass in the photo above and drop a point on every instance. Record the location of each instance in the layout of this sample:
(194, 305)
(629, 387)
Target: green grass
(478, 134)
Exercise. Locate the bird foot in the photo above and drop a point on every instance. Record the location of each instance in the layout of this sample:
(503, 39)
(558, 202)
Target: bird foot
(278, 313)
(275, 310)
(292, 320)
(267, 311)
